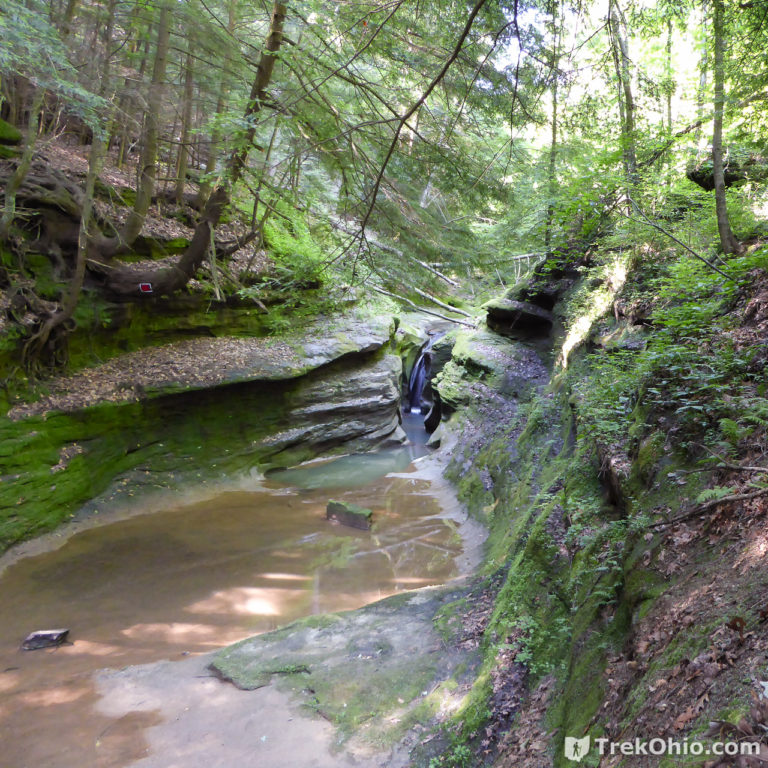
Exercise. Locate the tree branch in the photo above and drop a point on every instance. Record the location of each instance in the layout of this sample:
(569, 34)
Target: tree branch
(417, 105)
(707, 505)
(663, 231)
(421, 309)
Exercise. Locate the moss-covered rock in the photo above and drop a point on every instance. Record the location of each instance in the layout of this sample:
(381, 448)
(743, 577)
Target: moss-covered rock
(9, 134)
(349, 514)
(371, 671)
(203, 363)
(740, 166)
(507, 367)
(409, 338)
(518, 318)
(51, 465)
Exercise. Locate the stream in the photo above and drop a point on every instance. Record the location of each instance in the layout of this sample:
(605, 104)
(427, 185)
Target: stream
(204, 573)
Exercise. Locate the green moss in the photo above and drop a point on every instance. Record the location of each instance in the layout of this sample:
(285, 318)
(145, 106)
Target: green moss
(481, 356)
(551, 609)
(576, 707)
(320, 621)
(407, 342)
(641, 588)
(372, 672)
(577, 574)
(41, 488)
(352, 700)
(651, 449)
(9, 134)
(448, 620)
(40, 267)
(156, 248)
(120, 196)
(475, 711)
(474, 494)
(454, 385)
(106, 330)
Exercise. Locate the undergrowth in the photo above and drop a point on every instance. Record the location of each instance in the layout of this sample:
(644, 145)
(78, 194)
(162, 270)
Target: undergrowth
(690, 375)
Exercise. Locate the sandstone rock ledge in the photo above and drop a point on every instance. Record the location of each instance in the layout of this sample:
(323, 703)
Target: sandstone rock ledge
(204, 363)
(374, 672)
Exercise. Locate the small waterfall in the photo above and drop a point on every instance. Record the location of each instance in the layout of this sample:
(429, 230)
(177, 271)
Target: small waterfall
(420, 376)
(417, 382)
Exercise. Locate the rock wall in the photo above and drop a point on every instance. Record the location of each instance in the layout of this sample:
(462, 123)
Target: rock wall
(156, 428)
(630, 602)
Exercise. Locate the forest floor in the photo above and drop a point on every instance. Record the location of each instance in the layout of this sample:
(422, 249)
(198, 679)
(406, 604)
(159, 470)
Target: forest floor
(701, 649)
(191, 363)
(166, 219)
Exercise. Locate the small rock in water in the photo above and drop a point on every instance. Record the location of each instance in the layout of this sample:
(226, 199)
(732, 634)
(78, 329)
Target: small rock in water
(45, 638)
(349, 514)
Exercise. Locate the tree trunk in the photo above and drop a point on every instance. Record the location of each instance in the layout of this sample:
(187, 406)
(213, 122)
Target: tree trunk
(621, 61)
(221, 104)
(126, 103)
(127, 282)
(704, 65)
(670, 83)
(148, 163)
(552, 172)
(85, 241)
(670, 88)
(186, 125)
(213, 153)
(69, 15)
(15, 182)
(727, 238)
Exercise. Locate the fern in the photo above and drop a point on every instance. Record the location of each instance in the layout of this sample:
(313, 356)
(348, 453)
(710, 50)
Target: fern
(734, 432)
(756, 412)
(718, 492)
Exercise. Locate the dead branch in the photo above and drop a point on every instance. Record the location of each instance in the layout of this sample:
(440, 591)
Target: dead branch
(391, 249)
(647, 222)
(711, 504)
(429, 297)
(421, 309)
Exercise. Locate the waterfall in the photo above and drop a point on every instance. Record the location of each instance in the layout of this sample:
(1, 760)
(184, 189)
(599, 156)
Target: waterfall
(416, 383)
(420, 376)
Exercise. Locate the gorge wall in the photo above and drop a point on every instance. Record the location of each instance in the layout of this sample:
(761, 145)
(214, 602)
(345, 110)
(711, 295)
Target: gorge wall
(166, 416)
(614, 571)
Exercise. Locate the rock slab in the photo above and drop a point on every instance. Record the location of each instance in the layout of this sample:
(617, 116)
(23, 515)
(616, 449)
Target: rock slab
(510, 315)
(367, 670)
(204, 363)
(349, 514)
(45, 638)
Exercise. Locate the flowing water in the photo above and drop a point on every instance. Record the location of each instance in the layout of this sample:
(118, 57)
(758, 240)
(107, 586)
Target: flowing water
(198, 576)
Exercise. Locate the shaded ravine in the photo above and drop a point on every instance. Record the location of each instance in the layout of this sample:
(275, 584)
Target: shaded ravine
(195, 578)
